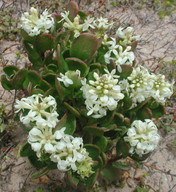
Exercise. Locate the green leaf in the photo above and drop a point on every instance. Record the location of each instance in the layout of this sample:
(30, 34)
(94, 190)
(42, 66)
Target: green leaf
(110, 173)
(84, 47)
(26, 37)
(73, 180)
(120, 165)
(98, 163)
(89, 182)
(44, 42)
(33, 77)
(77, 64)
(6, 84)
(93, 130)
(25, 150)
(144, 113)
(72, 110)
(101, 142)
(158, 112)
(31, 51)
(19, 79)
(70, 124)
(50, 78)
(10, 70)
(48, 92)
(82, 15)
(122, 148)
(127, 102)
(40, 173)
(126, 71)
(44, 85)
(72, 7)
(93, 150)
(68, 121)
(138, 158)
(35, 161)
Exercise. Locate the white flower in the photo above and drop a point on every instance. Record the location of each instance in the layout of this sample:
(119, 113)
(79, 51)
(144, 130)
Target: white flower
(42, 140)
(38, 109)
(35, 25)
(102, 24)
(74, 26)
(88, 23)
(69, 153)
(126, 35)
(161, 88)
(139, 84)
(142, 136)
(102, 94)
(124, 56)
(66, 81)
(118, 55)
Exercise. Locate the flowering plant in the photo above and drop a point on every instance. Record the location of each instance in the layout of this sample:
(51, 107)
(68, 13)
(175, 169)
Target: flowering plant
(83, 95)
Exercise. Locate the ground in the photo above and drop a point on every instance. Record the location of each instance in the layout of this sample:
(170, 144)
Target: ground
(156, 47)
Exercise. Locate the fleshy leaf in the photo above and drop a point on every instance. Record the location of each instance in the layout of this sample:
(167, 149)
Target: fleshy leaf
(93, 150)
(19, 78)
(110, 173)
(91, 179)
(33, 77)
(93, 130)
(122, 148)
(72, 7)
(144, 113)
(25, 150)
(126, 71)
(101, 142)
(26, 37)
(158, 112)
(35, 161)
(75, 63)
(6, 84)
(68, 121)
(44, 42)
(84, 47)
(10, 70)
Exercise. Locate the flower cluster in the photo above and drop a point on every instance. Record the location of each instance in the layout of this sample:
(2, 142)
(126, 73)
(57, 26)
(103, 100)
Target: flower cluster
(35, 25)
(67, 151)
(100, 24)
(142, 136)
(126, 35)
(141, 85)
(38, 110)
(102, 94)
(118, 54)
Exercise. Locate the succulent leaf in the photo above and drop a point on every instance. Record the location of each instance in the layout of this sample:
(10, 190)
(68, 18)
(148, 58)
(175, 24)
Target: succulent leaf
(84, 47)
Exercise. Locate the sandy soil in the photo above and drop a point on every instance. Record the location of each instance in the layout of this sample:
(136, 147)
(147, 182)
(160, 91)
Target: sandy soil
(158, 42)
